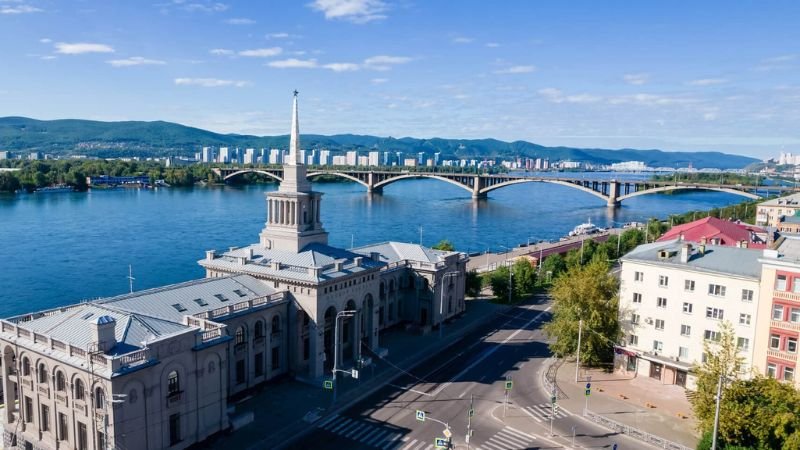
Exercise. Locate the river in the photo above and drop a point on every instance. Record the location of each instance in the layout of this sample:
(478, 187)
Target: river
(57, 249)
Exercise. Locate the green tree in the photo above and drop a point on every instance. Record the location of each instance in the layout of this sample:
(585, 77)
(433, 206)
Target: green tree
(473, 284)
(554, 264)
(631, 239)
(524, 280)
(8, 182)
(589, 293)
(444, 245)
(498, 280)
(655, 228)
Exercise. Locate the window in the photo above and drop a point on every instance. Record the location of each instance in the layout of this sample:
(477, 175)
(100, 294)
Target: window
(711, 335)
(99, 398)
(42, 373)
(658, 346)
(774, 341)
(240, 376)
(28, 410)
(200, 302)
(101, 440)
(796, 285)
(788, 374)
(276, 358)
(82, 437)
(686, 330)
(744, 319)
(637, 298)
(179, 307)
(661, 302)
(663, 281)
(777, 312)
(633, 340)
(791, 345)
(241, 336)
(714, 313)
(688, 285)
(63, 427)
(703, 357)
(276, 324)
(173, 383)
(742, 343)
(747, 295)
(638, 276)
(239, 293)
(659, 324)
(61, 381)
(78, 394)
(174, 429)
(44, 425)
(634, 319)
(716, 290)
(780, 283)
(772, 370)
(26, 366)
(794, 315)
(258, 361)
(683, 353)
(258, 329)
(221, 297)
(687, 308)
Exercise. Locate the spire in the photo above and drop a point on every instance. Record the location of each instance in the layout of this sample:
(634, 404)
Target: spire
(294, 138)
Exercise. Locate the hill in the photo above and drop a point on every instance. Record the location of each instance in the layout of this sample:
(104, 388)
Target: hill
(133, 138)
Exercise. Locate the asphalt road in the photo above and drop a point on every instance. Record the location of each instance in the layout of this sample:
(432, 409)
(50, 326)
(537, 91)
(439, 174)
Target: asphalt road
(475, 370)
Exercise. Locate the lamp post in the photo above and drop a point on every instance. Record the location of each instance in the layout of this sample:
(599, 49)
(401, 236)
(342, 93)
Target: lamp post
(716, 412)
(441, 300)
(335, 370)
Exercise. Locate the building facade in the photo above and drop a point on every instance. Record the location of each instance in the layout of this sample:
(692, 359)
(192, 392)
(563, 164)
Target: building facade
(769, 213)
(674, 296)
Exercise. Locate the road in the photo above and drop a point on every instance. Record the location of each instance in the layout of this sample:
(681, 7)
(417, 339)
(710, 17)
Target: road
(475, 369)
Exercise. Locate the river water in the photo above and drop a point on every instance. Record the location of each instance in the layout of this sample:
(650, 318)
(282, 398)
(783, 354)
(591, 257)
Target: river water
(57, 249)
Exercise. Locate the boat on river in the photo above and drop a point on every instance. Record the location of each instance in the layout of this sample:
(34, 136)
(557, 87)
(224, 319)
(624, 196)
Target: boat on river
(585, 229)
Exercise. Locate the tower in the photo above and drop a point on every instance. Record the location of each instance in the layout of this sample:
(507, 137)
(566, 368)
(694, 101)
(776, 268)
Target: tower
(293, 211)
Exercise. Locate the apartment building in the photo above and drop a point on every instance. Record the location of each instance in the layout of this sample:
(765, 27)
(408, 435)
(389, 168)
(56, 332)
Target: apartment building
(673, 297)
(770, 212)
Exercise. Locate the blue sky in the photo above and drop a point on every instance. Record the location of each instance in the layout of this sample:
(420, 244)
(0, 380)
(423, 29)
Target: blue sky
(713, 75)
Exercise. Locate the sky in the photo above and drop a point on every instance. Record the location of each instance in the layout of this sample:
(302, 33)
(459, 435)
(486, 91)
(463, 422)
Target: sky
(678, 75)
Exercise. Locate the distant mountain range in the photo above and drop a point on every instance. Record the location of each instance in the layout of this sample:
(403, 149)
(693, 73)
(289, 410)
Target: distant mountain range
(116, 139)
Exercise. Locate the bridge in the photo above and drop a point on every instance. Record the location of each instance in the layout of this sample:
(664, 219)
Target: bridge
(479, 185)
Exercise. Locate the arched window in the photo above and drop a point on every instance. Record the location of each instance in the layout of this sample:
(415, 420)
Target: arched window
(241, 336)
(99, 398)
(276, 324)
(79, 389)
(258, 330)
(61, 381)
(173, 383)
(26, 366)
(43, 373)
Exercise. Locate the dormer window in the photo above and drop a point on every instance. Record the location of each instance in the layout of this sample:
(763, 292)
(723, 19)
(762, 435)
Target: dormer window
(221, 297)
(179, 307)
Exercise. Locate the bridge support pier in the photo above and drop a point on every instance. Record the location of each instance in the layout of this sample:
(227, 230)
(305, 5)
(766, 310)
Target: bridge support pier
(477, 185)
(613, 194)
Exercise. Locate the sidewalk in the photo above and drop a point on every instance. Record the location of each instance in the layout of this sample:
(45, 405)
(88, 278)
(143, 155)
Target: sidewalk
(285, 410)
(639, 402)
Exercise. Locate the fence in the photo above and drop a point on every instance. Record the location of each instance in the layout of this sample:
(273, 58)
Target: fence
(634, 432)
(550, 378)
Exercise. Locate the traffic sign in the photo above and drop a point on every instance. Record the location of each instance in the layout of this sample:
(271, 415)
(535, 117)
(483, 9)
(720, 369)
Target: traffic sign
(471, 412)
(447, 433)
(327, 384)
(588, 385)
(440, 443)
(588, 392)
(354, 374)
(509, 385)
(421, 415)
(553, 399)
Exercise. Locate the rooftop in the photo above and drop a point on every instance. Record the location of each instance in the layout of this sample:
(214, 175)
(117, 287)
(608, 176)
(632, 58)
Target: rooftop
(400, 251)
(789, 200)
(728, 232)
(742, 262)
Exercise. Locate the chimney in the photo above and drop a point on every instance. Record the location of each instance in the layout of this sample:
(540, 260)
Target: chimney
(744, 244)
(702, 249)
(686, 251)
(739, 244)
(680, 236)
(375, 256)
(209, 255)
(703, 241)
(103, 333)
(249, 253)
(357, 260)
(338, 266)
(276, 265)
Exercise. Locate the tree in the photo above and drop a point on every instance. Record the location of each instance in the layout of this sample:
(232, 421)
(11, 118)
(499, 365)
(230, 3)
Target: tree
(8, 182)
(631, 238)
(524, 277)
(473, 283)
(589, 293)
(721, 359)
(554, 264)
(444, 245)
(655, 228)
(499, 282)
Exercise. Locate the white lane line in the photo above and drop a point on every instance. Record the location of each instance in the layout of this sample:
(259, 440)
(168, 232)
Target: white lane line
(338, 427)
(489, 352)
(355, 429)
(328, 420)
(408, 447)
(410, 390)
(507, 440)
(493, 446)
(463, 393)
(377, 437)
(367, 430)
(333, 423)
(421, 444)
(533, 416)
(516, 431)
(389, 440)
(349, 427)
(369, 435)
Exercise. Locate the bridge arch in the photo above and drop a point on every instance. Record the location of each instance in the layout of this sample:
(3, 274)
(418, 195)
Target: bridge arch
(407, 176)
(689, 187)
(243, 171)
(544, 180)
(337, 174)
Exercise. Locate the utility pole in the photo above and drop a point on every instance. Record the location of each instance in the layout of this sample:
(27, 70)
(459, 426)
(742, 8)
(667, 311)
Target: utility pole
(510, 285)
(469, 417)
(130, 277)
(578, 358)
(716, 413)
(441, 300)
(420, 235)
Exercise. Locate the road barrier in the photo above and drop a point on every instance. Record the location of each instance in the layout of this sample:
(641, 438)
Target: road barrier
(634, 432)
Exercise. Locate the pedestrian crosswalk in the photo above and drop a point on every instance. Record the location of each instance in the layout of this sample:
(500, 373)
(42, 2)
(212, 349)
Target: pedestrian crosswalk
(543, 411)
(369, 434)
(508, 439)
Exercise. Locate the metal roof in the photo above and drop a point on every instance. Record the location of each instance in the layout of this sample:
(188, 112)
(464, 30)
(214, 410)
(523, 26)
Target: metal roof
(399, 251)
(735, 261)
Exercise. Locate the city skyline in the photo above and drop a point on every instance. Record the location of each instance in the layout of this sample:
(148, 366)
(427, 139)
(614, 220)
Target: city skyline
(674, 77)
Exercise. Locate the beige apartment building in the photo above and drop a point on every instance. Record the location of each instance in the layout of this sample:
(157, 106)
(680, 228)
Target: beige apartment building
(770, 212)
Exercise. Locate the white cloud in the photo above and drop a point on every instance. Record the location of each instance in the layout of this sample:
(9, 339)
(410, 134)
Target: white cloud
(134, 61)
(780, 59)
(48, 57)
(240, 21)
(221, 51)
(78, 48)
(516, 69)
(492, 44)
(356, 11)
(45, 40)
(210, 82)
(378, 80)
(636, 79)
(385, 62)
(707, 82)
(776, 62)
(462, 40)
(207, 7)
(19, 9)
(262, 52)
(342, 67)
(294, 63)
(281, 35)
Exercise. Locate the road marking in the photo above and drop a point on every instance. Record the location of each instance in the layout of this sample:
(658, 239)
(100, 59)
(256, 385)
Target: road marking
(408, 447)
(360, 434)
(509, 438)
(370, 434)
(375, 439)
(463, 393)
(349, 427)
(327, 420)
(389, 440)
(355, 429)
(410, 390)
(421, 444)
(514, 430)
(345, 423)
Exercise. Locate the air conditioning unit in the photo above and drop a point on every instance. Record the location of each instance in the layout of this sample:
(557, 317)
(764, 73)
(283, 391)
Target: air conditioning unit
(648, 320)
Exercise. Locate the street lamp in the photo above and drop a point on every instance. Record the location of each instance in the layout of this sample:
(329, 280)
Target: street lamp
(335, 370)
(441, 299)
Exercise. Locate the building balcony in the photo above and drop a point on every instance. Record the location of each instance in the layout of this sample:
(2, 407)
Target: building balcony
(785, 295)
(785, 356)
(779, 324)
